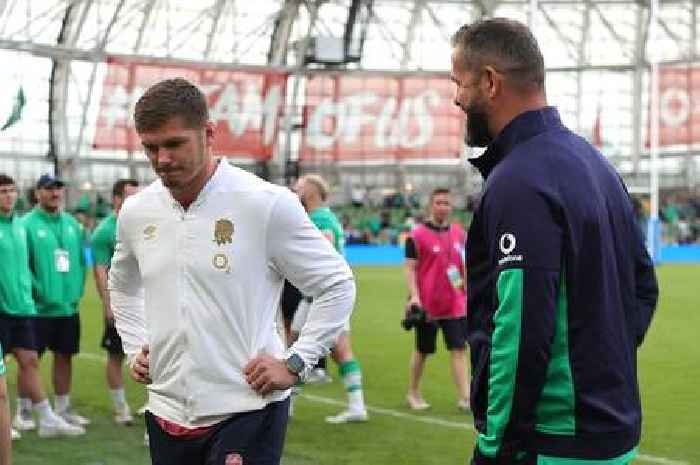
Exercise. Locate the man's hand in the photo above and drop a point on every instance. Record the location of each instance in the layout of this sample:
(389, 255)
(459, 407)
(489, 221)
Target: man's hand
(414, 300)
(139, 367)
(266, 374)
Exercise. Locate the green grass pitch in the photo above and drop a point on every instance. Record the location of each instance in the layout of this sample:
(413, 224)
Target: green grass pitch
(669, 371)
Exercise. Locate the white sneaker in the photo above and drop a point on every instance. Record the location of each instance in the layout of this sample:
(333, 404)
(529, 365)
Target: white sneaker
(23, 423)
(463, 405)
(417, 403)
(123, 416)
(348, 416)
(318, 376)
(57, 426)
(73, 418)
(15, 434)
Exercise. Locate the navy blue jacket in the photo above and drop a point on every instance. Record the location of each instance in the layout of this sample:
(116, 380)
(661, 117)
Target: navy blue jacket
(560, 294)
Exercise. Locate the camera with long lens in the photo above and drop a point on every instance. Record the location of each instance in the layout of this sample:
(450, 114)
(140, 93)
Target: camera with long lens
(414, 316)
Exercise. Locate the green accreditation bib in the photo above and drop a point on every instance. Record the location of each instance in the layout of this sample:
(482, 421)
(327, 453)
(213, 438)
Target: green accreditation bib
(61, 260)
(325, 220)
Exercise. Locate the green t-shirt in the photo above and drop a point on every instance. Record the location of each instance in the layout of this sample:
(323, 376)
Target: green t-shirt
(325, 220)
(57, 261)
(104, 239)
(15, 277)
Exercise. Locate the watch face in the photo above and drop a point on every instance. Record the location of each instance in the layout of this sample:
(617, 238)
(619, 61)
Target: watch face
(295, 364)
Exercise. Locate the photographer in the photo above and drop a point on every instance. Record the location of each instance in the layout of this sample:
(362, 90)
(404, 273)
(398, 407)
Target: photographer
(435, 277)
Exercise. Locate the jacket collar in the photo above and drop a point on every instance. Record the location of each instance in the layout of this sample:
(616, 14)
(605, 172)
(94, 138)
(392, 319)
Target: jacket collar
(46, 215)
(216, 180)
(521, 128)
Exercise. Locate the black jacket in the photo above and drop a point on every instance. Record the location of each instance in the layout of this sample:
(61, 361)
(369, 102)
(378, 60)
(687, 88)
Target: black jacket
(561, 291)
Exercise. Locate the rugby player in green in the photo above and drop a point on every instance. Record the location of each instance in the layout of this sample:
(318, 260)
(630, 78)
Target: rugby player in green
(17, 319)
(313, 194)
(57, 262)
(103, 241)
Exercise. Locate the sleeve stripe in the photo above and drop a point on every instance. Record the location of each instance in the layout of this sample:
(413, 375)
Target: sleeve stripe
(503, 364)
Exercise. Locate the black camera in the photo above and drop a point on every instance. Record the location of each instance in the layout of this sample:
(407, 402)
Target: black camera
(414, 316)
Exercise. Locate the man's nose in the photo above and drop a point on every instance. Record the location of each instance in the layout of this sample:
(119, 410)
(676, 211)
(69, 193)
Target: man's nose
(164, 156)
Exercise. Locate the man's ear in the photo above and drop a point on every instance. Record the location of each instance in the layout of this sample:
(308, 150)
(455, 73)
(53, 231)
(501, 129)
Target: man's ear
(209, 131)
(492, 81)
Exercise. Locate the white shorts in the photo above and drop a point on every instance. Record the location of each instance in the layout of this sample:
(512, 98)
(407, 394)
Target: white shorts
(302, 314)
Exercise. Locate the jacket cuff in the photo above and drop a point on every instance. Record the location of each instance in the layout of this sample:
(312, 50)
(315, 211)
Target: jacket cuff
(510, 457)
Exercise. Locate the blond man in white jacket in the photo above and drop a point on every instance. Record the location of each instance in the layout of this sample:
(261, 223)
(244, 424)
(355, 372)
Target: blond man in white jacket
(195, 282)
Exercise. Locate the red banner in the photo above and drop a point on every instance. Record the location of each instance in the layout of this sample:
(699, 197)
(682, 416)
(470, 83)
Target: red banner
(380, 116)
(679, 105)
(245, 105)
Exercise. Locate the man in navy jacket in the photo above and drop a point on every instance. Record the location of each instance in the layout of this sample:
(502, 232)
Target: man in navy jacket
(560, 287)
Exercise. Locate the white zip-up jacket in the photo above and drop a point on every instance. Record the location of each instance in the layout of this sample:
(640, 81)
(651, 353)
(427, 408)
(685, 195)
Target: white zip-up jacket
(202, 288)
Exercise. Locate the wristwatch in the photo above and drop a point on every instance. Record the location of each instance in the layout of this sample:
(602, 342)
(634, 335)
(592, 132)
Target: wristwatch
(295, 365)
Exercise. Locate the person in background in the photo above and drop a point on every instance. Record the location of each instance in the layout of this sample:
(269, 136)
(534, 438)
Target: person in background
(17, 322)
(103, 243)
(57, 261)
(435, 278)
(313, 194)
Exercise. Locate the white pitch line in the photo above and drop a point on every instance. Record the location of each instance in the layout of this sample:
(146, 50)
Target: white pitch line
(394, 413)
(92, 357)
(661, 460)
(417, 418)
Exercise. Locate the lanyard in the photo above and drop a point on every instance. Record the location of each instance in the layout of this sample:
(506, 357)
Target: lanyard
(449, 242)
(57, 230)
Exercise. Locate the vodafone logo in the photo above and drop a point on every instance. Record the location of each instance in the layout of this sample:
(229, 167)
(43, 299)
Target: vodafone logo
(507, 243)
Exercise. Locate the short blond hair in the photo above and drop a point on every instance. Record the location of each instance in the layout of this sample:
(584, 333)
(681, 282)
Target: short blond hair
(319, 183)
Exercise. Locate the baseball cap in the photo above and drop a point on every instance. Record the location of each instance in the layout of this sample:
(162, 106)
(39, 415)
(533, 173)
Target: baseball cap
(47, 181)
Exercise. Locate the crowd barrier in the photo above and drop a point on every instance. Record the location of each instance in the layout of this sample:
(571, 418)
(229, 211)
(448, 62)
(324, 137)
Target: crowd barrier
(390, 255)
(680, 254)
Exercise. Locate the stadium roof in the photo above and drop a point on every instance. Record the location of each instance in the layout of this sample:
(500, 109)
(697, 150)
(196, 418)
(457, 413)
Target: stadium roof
(597, 53)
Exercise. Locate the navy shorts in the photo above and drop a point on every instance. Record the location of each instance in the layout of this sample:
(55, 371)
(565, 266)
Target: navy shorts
(111, 341)
(454, 331)
(248, 438)
(17, 332)
(60, 334)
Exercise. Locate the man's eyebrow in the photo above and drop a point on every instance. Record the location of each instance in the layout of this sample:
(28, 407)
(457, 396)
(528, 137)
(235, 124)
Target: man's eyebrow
(169, 140)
